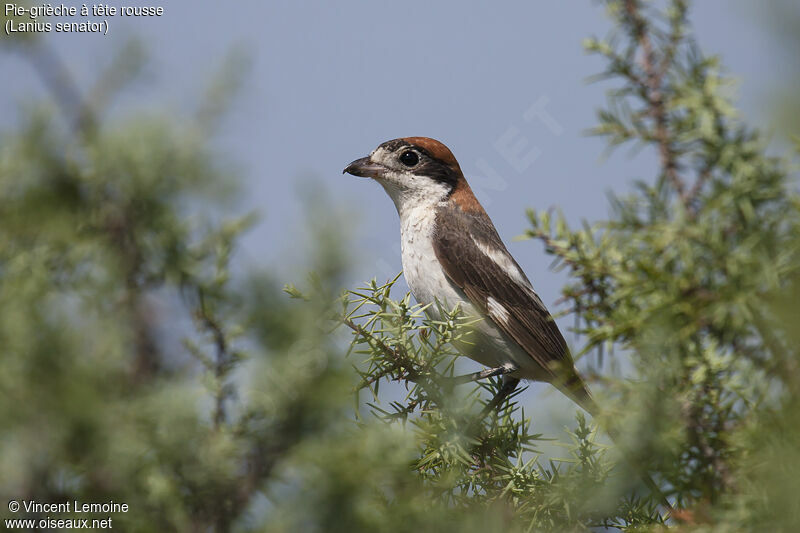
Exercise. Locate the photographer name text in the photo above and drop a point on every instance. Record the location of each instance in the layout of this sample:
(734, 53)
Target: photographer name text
(32, 506)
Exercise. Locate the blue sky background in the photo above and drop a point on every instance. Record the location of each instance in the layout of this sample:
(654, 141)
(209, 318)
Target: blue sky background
(332, 80)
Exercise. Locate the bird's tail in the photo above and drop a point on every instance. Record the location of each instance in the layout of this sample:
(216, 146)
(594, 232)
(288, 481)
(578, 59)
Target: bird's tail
(578, 392)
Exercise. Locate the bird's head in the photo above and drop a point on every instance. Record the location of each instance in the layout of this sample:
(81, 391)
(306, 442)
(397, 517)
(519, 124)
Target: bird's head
(414, 171)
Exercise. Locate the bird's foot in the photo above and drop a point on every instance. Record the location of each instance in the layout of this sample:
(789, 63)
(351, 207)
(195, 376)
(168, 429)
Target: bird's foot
(509, 385)
(483, 374)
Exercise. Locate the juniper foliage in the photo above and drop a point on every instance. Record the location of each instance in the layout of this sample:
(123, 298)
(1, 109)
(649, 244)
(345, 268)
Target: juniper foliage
(137, 368)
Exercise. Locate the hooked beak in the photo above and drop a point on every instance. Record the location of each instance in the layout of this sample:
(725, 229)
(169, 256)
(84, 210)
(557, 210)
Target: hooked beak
(364, 168)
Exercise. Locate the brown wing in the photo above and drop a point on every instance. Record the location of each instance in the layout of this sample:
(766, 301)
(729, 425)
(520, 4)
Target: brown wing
(463, 245)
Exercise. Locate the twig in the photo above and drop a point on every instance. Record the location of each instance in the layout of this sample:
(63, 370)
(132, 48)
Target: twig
(56, 77)
(701, 180)
(400, 360)
(222, 358)
(654, 94)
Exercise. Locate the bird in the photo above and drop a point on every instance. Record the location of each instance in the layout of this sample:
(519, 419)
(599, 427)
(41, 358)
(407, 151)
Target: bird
(453, 255)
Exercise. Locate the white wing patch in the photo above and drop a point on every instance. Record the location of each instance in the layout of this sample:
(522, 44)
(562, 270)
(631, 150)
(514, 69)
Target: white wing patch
(503, 260)
(497, 311)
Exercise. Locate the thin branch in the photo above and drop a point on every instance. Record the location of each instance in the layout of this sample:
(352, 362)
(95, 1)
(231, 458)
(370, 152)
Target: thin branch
(654, 95)
(222, 357)
(401, 360)
(674, 38)
(56, 77)
(701, 180)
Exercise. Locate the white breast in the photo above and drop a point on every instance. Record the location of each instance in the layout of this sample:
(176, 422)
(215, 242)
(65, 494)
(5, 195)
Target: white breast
(428, 282)
(421, 268)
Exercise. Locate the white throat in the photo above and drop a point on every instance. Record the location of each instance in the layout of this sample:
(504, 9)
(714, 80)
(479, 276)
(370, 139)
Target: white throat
(411, 202)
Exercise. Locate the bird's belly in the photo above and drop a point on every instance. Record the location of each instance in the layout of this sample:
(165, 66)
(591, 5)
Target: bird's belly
(425, 277)
(429, 285)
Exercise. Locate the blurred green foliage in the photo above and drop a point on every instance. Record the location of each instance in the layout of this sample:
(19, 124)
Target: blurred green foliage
(135, 368)
(781, 23)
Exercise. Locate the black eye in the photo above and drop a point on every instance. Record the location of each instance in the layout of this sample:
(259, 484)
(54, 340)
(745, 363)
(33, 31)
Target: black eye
(409, 158)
